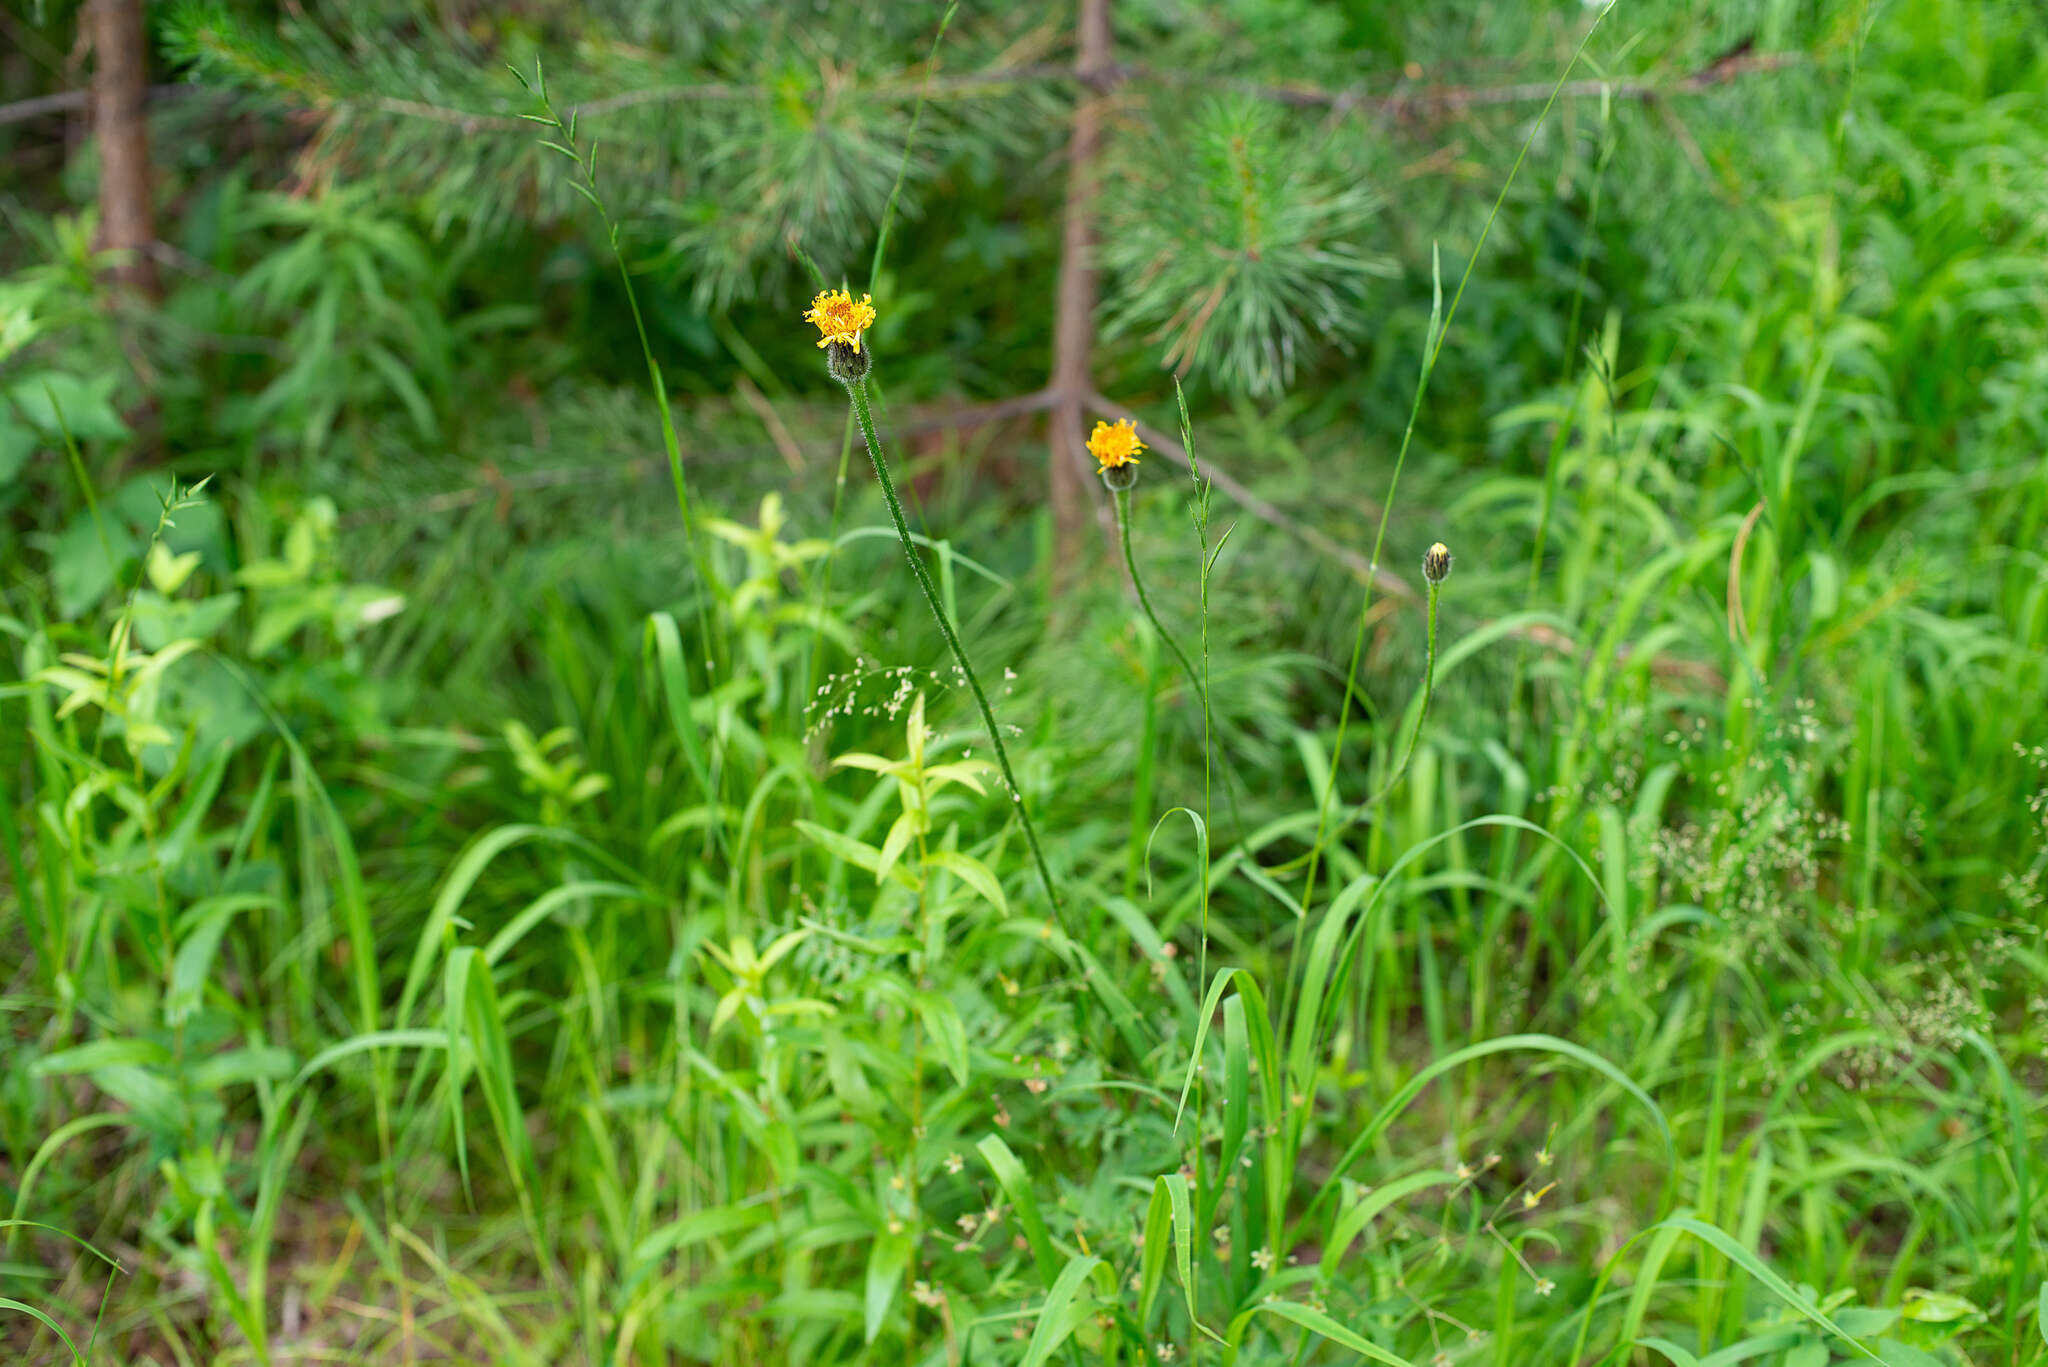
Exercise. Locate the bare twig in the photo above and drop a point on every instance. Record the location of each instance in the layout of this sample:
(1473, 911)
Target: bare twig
(778, 431)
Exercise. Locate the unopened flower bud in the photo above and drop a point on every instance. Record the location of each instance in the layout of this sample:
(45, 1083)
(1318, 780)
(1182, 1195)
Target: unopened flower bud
(1436, 563)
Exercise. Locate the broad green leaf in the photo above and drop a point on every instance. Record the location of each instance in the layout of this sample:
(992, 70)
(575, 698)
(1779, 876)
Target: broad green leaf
(854, 852)
(948, 1035)
(974, 874)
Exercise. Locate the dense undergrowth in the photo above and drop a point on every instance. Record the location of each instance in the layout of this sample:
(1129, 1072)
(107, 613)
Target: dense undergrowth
(458, 909)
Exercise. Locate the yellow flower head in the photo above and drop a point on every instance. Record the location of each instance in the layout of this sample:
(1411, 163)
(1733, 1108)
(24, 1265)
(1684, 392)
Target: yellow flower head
(840, 318)
(1115, 444)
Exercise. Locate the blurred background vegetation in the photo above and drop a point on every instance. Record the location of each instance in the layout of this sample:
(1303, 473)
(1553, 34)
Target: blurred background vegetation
(398, 824)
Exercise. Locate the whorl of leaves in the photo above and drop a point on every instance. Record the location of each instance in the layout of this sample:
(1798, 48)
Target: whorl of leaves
(1238, 244)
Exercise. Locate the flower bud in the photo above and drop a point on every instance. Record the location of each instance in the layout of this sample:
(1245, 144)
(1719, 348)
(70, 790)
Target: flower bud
(1436, 563)
(1120, 477)
(847, 364)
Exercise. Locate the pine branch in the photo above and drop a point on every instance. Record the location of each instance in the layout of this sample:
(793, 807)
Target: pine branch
(1454, 98)
(969, 84)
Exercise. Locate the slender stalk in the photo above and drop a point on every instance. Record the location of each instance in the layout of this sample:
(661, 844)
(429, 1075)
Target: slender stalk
(857, 391)
(586, 185)
(1428, 695)
(1439, 330)
(1123, 526)
(1199, 512)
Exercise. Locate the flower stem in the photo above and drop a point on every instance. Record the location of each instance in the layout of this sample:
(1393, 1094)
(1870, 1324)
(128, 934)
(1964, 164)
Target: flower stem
(1428, 694)
(1439, 331)
(858, 392)
(1123, 525)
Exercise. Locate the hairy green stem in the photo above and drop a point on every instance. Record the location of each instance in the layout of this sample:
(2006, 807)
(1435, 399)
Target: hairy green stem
(1123, 526)
(858, 392)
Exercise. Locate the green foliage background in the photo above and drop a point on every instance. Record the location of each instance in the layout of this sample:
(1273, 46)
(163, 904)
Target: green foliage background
(450, 911)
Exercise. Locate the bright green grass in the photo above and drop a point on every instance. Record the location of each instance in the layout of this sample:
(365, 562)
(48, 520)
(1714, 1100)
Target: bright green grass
(636, 1001)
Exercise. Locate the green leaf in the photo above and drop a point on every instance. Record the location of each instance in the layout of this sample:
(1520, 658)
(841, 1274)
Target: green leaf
(47, 1323)
(886, 1261)
(854, 852)
(948, 1035)
(664, 640)
(1755, 1267)
(53, 402)
(367, 1041)
(193, 963)
(1811, 1353)
(239, 1067)
(974, 874)
(1937, 1307)
(1537, 1043)
(1354, 1219)
(1215, 994)
(1183, 1237)
(1863, 1320)
(1315, 1322)
(101, 1053)
(1060, 1314)
(1016, 1185)
(1152, 1258)
(699, 1226)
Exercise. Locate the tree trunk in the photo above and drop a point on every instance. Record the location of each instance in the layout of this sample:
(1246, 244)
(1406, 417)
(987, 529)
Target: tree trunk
(1074, 318)
(120, 89)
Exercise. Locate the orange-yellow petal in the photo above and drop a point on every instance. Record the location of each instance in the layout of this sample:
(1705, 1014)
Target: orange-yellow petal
(1115, 444)
(839, 317)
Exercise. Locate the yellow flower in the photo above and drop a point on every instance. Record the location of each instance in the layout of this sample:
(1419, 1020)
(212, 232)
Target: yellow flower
(1115, 444)
(841, 319)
